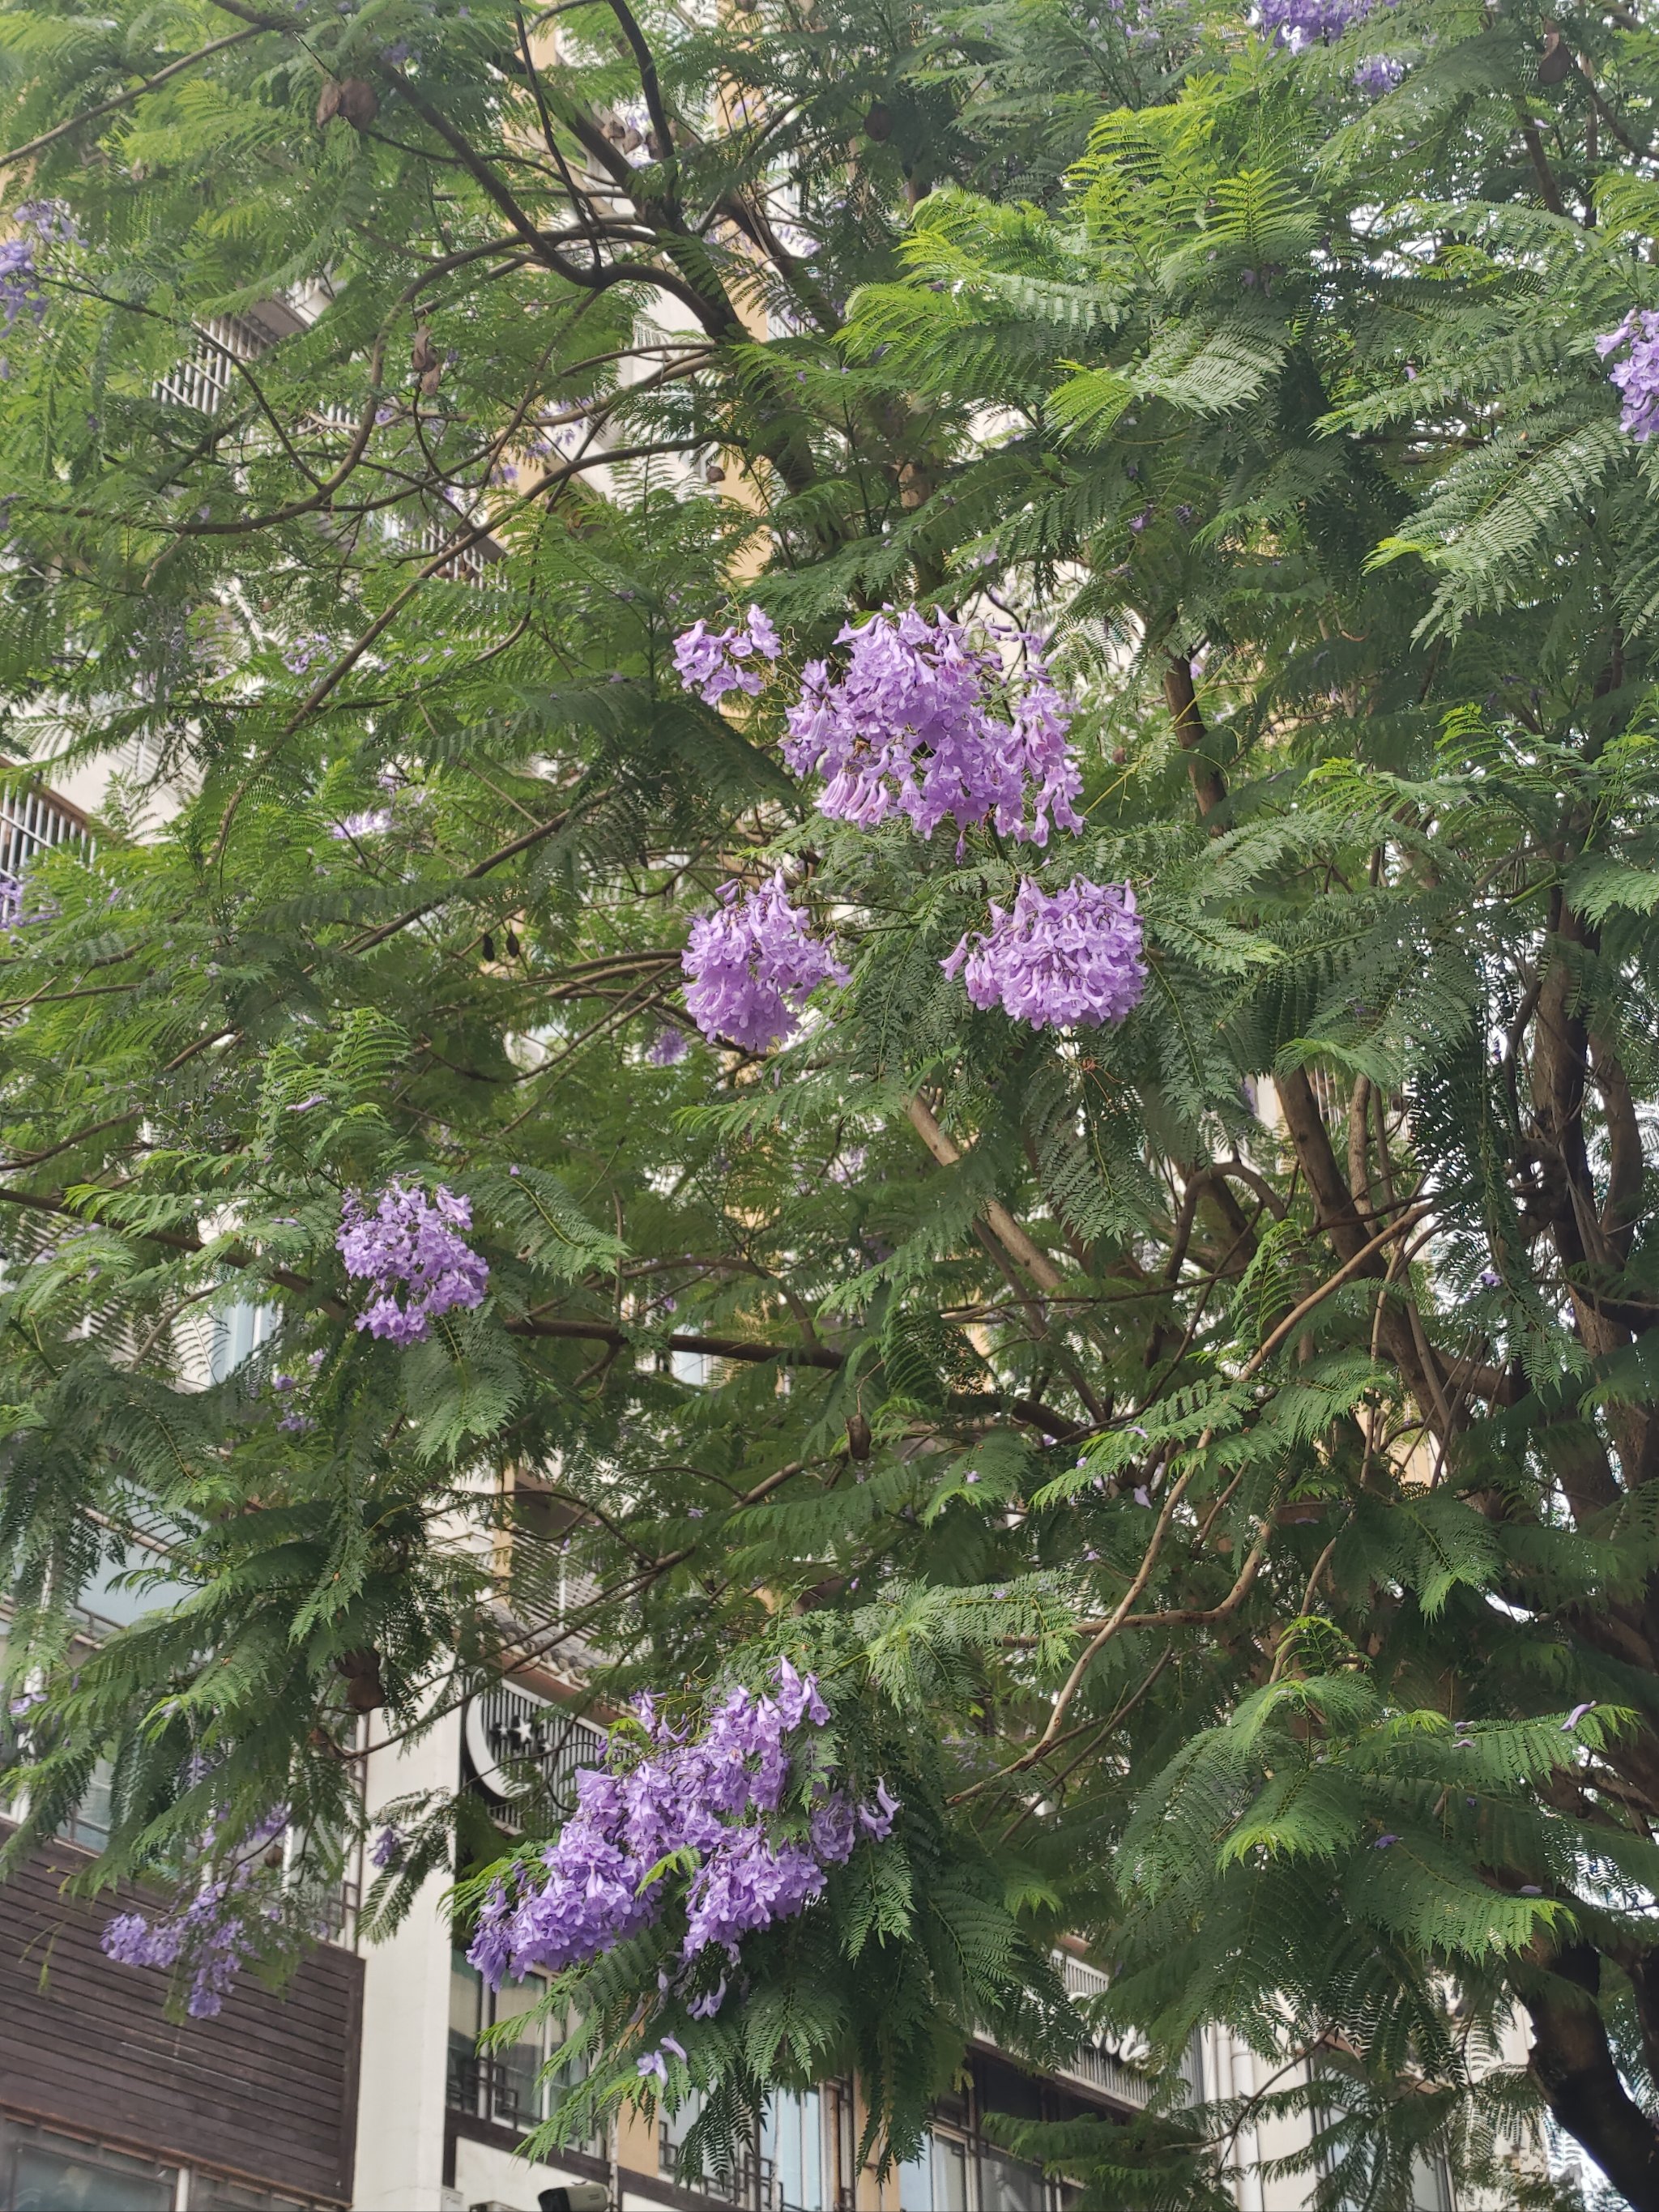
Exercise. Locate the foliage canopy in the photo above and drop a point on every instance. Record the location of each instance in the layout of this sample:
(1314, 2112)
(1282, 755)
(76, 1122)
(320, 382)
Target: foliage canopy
(1211, 1461)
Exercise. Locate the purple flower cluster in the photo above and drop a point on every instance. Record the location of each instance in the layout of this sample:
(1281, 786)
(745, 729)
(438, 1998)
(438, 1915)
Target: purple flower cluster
(668, 1047)
(11, 900)
(19, 281)
(1072, 957)
(1377, 74)
(411, 1241)
(703, 1808)
(388, 1848)
(1637, 375)
(371, 821)
(211, 1935)
(1297, 23)
(752, 964)
(711, 663)
(915, 725)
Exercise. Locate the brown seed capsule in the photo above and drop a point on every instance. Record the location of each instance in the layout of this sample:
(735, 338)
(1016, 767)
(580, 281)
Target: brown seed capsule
(878, 123)
(359, 102)
(859, 1439)
(421, 354)
(714, 473)
(488, 946)
(328, 104)
(432, 379)
(365, 1692)
(511, 944)
(1557, 60)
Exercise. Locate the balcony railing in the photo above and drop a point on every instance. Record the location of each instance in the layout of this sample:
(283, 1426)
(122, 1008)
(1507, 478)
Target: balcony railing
(33, 820)
(753, 2182)
(511, 1735)
(1115, 2071)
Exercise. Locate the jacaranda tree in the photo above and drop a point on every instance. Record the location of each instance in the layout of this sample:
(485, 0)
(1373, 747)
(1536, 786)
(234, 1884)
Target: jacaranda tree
(890, 808)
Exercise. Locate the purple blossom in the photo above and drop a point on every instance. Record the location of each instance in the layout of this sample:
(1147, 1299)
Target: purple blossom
(304, 651)
(19, 283)
(210, 1937)
(371, 821)
(753, 963)
(1385, 1843)
(1637, 377)
(1298, 23)
(1377, 74)
(411, 1241)
(50, 220)
(1575, 1715)
(1071, 958)
(924, 722)
(387, 1848)
(1487, 1278)
(709, 661)
(668, 1047)
(699, 1808)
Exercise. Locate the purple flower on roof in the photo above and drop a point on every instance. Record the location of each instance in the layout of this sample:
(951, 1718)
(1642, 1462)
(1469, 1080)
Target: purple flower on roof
(1071, 958)
(925, 722)
(711, 663)
(753, 963)
(1637, 376)
(698, 1810)
(412, 1244)
(668, 1047)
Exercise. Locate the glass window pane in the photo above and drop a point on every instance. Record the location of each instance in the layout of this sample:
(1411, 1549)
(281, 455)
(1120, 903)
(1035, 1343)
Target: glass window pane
(208, 2193)
(513, 2066)
(65, 2177)
(465, 2087)
(949, 2174)
(915, 2183)
(792, 2138)
(1009, 2184)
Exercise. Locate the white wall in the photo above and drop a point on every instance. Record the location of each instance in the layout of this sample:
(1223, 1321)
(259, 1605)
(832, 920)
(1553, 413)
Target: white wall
(400, 2095)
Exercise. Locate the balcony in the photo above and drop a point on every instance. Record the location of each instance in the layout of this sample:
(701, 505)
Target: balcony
(517, 1742)
(752, 2182)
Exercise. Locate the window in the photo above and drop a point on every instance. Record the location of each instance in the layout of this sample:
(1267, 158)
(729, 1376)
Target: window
(793, 2141)
(749, 2183)
(238, 1331)
(503, 2082)
(40, 2172)
(936, 2180)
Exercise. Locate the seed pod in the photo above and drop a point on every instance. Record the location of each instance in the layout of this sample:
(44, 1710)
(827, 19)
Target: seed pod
(421, 354)
(878, 123)
(511, 944)
(714, 473)
(328, 104)
(432, 379)
(488, 946)
(359, 102)
(365, 1692)
(859, 1439)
